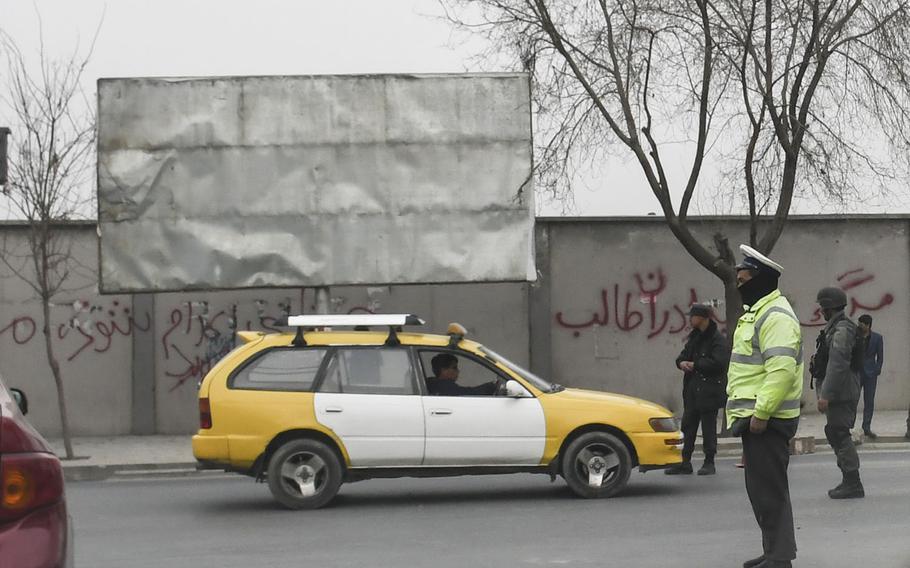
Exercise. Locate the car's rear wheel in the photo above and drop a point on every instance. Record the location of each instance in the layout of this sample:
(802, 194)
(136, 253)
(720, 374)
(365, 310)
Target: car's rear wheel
(304, 474)
(596, 464)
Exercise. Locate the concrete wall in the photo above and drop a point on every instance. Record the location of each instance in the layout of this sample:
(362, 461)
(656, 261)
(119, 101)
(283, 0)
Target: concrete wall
(618, 290)
(606, 313)
(90, 337)
(131, 364)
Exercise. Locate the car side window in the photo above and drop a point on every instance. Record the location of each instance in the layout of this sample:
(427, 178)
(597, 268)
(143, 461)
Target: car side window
(370, 371)
(471, 373)
(281, 370)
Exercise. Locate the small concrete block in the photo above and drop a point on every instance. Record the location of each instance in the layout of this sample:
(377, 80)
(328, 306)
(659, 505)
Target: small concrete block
(802, 445)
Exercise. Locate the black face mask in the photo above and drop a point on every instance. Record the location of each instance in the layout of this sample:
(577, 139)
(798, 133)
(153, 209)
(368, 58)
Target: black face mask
(757, 288)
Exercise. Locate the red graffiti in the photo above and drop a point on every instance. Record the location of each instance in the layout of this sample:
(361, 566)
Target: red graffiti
(212, 333)
(626, 318)
(22, 328)
(62, 332)
(92, 331)
(851, 280)
(99, 334)
(95, 328)
(196, 368)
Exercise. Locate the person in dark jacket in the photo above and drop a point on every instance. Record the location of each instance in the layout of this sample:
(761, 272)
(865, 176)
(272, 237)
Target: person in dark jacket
(838, 388)
(445, 367)
(703, 362)
(873, 359)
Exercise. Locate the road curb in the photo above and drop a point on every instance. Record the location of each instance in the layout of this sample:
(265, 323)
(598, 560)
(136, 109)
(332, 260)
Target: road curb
(134, 470)
(736, 443)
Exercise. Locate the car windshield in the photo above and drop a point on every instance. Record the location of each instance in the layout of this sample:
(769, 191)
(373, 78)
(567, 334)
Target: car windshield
(545, 386)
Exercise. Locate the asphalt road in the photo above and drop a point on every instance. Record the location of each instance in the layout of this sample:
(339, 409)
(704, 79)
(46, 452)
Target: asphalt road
(501, 521)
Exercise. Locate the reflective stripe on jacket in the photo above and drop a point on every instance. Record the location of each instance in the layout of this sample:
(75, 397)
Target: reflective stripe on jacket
(765, 377)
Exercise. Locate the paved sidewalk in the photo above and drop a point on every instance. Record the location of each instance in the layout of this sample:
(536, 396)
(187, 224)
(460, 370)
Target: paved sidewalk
(131, 456)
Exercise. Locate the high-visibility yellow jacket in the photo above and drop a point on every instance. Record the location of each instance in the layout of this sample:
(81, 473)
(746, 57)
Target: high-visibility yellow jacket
(765, 378)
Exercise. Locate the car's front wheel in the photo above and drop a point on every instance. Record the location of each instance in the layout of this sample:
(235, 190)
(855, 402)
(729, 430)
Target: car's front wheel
(304, 474)
(596, 464)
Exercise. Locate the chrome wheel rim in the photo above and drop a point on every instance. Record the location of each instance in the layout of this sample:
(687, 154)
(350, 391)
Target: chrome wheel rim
(597, 464)
(304, 474)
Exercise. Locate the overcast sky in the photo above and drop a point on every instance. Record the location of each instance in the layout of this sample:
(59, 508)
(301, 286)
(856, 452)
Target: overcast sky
(284, 37)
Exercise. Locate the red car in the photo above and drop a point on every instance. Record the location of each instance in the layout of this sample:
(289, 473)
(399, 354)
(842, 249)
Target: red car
(35, 530)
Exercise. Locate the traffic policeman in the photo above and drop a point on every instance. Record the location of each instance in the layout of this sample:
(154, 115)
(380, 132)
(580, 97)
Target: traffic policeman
(764, 389)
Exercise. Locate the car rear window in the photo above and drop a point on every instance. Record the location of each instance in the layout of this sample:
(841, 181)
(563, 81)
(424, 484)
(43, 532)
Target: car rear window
(280, 369)
(370, 371)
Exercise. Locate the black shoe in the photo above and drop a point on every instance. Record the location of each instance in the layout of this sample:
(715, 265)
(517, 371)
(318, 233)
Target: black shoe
(907, 435)
(707, 469)
(769, 563)
(684, 468)
(870, 434)
(754, 562)
(852, 490)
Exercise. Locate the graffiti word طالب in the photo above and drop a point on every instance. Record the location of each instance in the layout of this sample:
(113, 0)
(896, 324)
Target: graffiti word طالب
(626, 318)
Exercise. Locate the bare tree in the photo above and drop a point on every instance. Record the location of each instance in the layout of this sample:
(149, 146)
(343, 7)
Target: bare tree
(804, 98)
(50, 169)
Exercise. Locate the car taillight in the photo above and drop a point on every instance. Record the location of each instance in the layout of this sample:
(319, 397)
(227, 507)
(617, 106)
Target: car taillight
(205, 414)
(29, 481)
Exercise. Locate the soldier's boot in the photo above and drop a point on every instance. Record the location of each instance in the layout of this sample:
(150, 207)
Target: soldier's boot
(684, 468)
(851, 488)
(754, 562)
(839, 486)
(769, 563)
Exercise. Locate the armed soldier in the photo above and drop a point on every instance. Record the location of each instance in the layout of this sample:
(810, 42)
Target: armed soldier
(835, 367)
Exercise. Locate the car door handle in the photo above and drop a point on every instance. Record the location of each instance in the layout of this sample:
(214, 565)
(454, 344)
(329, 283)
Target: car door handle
(335, 409)
(440, 411)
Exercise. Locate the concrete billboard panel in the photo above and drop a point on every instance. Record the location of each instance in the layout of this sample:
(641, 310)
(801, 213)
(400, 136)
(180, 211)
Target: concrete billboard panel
(250, 182)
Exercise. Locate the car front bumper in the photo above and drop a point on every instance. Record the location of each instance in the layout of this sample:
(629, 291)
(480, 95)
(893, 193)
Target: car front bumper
(657, 450)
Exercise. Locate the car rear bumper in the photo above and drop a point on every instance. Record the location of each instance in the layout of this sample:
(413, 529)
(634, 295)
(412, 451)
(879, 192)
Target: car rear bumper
(41, 539)
(208, 448)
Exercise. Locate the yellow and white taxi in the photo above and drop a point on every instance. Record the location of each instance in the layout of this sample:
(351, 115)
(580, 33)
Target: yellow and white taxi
(307, 411)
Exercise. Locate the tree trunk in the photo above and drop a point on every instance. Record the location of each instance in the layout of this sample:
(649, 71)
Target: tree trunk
(733, 306)
(58, 379)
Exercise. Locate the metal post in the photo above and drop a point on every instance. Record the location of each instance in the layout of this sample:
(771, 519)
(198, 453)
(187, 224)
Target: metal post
(323, 300)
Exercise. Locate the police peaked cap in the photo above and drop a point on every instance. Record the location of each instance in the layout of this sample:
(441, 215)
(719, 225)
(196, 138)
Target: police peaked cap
(754, 260)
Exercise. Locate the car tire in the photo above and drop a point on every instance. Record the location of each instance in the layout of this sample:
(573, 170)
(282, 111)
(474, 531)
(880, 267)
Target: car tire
(596, 465)
(304, 474)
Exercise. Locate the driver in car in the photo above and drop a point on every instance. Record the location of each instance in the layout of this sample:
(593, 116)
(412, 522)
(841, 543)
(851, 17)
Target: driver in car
(444, 383)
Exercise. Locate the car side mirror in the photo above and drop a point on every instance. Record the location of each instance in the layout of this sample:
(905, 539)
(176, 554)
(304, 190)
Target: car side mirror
(21, 400)
(515, 390)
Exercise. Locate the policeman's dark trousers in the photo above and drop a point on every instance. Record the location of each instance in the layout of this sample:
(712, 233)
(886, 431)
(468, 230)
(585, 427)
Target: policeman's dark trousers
(766, 457)
(841, 418)
(868, 401)
(691, 419)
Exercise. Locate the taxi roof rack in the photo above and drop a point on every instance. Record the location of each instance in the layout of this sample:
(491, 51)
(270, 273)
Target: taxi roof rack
(393, 321)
